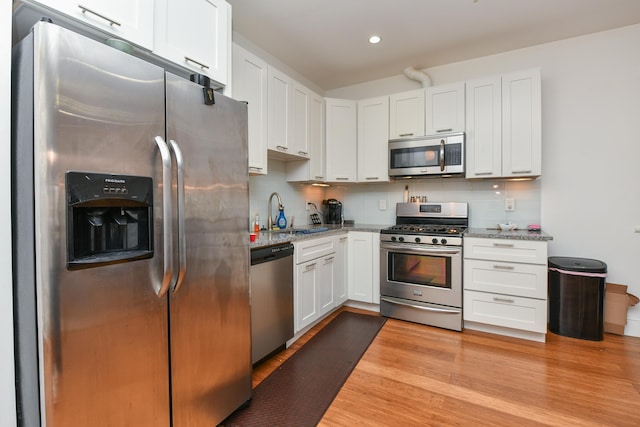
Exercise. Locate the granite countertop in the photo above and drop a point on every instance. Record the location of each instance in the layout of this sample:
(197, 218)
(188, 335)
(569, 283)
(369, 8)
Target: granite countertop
(494, 233)
(265, 238)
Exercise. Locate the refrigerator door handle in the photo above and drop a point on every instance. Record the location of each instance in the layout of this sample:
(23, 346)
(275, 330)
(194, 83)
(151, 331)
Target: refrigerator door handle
(182, 247)
(167, 221)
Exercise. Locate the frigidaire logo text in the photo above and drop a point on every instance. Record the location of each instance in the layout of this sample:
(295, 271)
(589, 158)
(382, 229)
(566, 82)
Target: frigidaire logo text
(115, 181)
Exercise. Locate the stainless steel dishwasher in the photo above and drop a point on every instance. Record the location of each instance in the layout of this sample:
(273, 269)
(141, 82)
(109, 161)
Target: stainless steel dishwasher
(271, 299)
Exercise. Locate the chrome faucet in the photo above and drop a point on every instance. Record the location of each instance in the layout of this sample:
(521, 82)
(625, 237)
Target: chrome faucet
(269, 217)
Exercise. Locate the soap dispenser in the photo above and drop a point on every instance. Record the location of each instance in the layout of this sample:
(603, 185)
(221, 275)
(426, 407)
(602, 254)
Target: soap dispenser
(282, 220)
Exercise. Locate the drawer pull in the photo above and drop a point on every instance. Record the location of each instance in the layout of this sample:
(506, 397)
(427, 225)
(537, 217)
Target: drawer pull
(503, 245)
(503, 267)
(303, 153)
(328, 260)
(109, 20)
(340, 178)
(509, 300)
(310, 266)
(406, 134)
(281, 147)
(342, 239)
(198, 63)
(444, 130)
(372, 177)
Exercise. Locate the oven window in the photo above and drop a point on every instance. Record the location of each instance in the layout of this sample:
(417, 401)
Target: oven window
(427, 270)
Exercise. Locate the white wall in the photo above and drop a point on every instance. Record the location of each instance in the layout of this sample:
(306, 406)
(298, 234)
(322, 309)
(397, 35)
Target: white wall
(7, 388)
(591, 143)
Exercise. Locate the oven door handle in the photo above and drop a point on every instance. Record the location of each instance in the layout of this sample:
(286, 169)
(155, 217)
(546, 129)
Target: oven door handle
(439, 310)
(425, 250)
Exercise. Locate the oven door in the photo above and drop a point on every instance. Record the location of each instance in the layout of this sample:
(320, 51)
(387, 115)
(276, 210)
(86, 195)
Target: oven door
(430, 274)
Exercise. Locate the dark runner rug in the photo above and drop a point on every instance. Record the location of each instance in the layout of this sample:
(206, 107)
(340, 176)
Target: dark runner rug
(299, 392)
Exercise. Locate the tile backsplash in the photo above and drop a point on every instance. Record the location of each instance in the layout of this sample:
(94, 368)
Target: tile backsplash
(365, 203)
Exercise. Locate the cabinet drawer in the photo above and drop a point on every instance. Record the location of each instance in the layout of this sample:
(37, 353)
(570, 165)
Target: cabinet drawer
(307, 250)
(524, 280)
(507, 311)
(525, 251)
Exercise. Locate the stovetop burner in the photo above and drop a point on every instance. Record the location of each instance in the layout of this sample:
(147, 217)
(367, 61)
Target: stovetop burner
(424, 229)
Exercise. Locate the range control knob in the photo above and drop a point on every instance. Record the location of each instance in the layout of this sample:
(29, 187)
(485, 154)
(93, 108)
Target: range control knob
(434, 241)
(393, 238)
(417, 240)
(401, 239)
(443, 241)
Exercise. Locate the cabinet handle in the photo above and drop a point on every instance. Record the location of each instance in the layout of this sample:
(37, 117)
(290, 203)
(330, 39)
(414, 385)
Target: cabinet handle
(527, 171)
(200, 64)
(342, 239)
(372, 177)
(339, 178)
(319, 177)
(503, 267)
(503, 299)
(109, 20)
(304, 153)
(310, 266)
(503, 245)
(328, 260)
(282, 147)
(483, 173)
(255, 168)
(444, 130)
(406, 134)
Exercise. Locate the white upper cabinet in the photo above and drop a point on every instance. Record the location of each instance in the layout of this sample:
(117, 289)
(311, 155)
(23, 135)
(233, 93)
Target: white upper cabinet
(314, 168)
(521, 124)
(130, 20)
(250, 85)
(195, 34)
(341, 142)
(406, 114)
(300, 103)
(484, 128)
(373, 142)
(504, 125)
(280, 88)
(445, 108)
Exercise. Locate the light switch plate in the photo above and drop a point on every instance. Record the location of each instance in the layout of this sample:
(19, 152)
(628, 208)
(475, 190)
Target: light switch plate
(509, 204)
(382, 204)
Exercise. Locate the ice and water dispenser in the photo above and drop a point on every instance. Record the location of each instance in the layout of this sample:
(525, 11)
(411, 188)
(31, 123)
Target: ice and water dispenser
(110, 219)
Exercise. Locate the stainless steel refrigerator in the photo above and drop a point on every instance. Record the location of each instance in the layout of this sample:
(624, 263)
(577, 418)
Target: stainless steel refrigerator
(131, 255)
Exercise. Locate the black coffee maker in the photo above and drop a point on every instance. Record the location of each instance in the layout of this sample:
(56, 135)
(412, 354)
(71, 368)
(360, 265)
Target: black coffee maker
(332, 211)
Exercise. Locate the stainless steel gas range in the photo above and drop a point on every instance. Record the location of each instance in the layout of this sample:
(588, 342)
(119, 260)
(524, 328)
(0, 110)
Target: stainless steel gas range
(421, 264)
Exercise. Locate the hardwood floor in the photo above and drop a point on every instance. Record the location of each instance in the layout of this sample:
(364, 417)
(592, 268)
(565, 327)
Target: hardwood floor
(419, 375)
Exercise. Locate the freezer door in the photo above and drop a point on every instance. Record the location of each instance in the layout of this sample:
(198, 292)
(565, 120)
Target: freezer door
(101, 332)
(209, 312)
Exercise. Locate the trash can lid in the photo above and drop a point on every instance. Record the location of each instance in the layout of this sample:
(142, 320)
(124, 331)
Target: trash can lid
(585, 265)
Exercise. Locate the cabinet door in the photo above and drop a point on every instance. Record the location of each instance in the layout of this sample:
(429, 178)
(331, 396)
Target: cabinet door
(445, 108)
(250, 85)
(194, 34)
(521, 124)
(406, 114)
(279, 101)
(483, 128)
(341, 141)
(373, 141)
(306, 283)
(326, 274)
(299, 141)
(361, 279)
(340, 271)
(314, 168)
(130, 20)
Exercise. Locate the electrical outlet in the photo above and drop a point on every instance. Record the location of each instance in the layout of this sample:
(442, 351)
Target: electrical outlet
(382, 204)
(509, 204)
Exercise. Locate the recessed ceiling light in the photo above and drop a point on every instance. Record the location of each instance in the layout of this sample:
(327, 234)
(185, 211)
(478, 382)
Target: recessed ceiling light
(374, 39)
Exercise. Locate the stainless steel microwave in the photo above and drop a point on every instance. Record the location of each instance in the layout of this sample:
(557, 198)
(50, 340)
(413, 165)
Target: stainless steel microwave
(427, 155)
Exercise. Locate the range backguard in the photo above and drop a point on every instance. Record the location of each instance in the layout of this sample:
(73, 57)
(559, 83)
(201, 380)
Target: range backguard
(109, 219)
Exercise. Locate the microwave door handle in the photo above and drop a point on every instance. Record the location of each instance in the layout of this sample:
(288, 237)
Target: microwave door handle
(182, 247)
(167, 219)
(442, 155)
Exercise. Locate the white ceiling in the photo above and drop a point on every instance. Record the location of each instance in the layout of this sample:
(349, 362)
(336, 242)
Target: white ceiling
(326, 40)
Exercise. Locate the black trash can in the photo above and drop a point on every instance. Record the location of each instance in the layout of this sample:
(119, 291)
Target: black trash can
(576, 297)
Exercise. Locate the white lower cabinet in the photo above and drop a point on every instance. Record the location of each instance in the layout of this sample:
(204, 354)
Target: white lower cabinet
(505, 287)
(364, 267)
(313, 289)
(341, 272)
